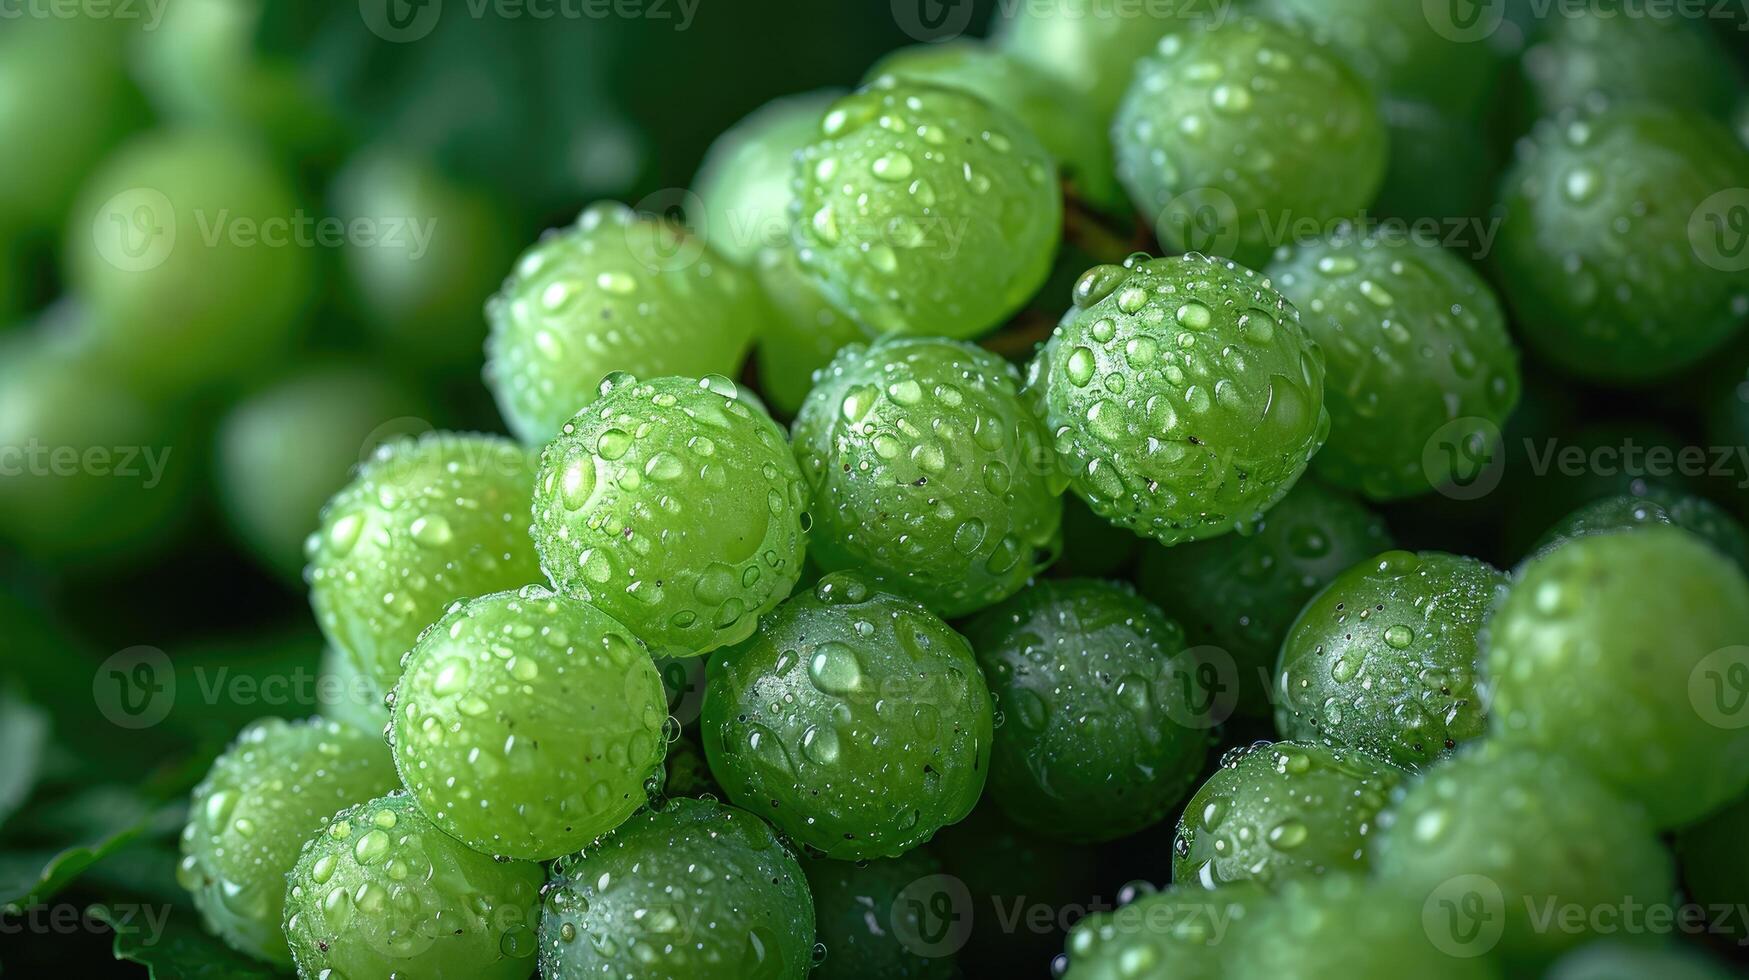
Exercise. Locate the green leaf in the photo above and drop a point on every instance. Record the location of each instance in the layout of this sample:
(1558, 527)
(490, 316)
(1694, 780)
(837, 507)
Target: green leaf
(178, 949)
(24, 730)
(112, 819)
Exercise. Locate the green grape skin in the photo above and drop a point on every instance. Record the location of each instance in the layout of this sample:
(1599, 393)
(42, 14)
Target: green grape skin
(1596, 256)
(1256, 96)
(1657, 507)
(928, 473)
(1345, 925)
(554, 710)
(1740, 121)
(1183, 396)
(1087, 46)
(697, 889)
(742, 192)
(804, 334)
(616, 291)
(379, 891)
(437, 249)
(1608, 959)
(1183, 933)
(174, 245)
(1416, 348)
(1066, 125)
(1239, 593)
(274, 787)
(1278, 811)
(1386, 659)
(925, 210)
(1060, 654)
(1603, 55)
(675, 507)
(1566, 647)
(868, 916)
(347, 695)
(1714, 857)
(1538, 828)
(283, 451)
(799, 721)
(425, 521)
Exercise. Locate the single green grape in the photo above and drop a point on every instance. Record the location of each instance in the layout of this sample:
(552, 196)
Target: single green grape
(1527, 830)
(1234, 136)
(617, 291)
(552, 709)
(284, 450)
(1089, 47)
(273, 788)
(676, 508)
(928, 473)
(925, 210)
(1387, 658)
(1714, 856)
(1183, 395)
(1416, 348)
(432, 251)
(347, 696)
(380, 892)
(1277, 811)
(185, 245)
(1349, 926)
(1239, 593)
(697, 890)
(1063, 120)
(878, 918)
(1611, 959)
(1606, 254)
(1187, 933)
(1602, 53)
(1570, 671)
(1103, 732)
(856, 721)
(424, 522)
(1657, 507)
(1442, 168)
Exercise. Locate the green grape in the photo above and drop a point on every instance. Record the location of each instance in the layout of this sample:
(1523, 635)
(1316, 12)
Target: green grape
(424, 522)
(90, 472)
(1240, 593)
(1740, 121)
(928, 473)
(550, 707)
(1183, 395)
(1601, 53)
(65, 100)
(856, 721)
(873, 921)
(1344, 925)
(1400, 48)
(1089, 47)
(1531, 831)
(1417, 352)
(925, 210)
(430, 252)
(381, 892)
(1570, 672)
(283, 451)
(273, 788)
(1062, 653)
(697, 890)
(1714, 856)
(1062, 119)
(1614, 960)
(674, 507)
(1182, 933)
(617, 291)
(1278, 811)
(347, 695)
(1442, 167)
(12, 280)
(1386, 659)
(1281, 133)
(1657, 507)
(1605, 254)
(744, 187)
(186, 247)
(803, 335)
